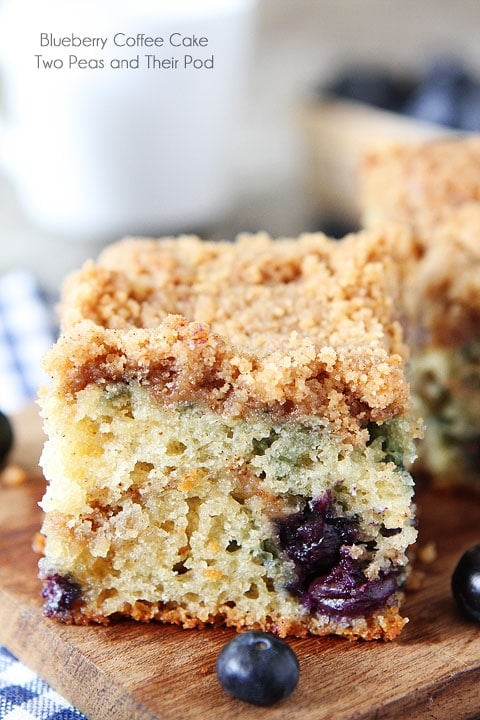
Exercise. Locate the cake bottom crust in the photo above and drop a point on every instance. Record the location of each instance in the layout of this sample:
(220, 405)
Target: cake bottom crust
(386, 625)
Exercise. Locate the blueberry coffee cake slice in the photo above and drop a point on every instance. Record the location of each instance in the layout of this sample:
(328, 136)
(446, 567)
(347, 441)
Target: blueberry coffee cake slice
(434, 188)
(443, 303)
(227, 430)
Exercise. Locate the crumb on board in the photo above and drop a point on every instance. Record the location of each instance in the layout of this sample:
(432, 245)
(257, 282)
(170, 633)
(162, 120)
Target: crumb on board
(13, 475)
(427, 553)
(38, 543)
(415, 580)
(206, 670)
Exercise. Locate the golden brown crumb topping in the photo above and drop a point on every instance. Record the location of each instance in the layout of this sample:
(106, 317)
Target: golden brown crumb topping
(300, 326)
(417, 184)
(434, 188)
(444, 291)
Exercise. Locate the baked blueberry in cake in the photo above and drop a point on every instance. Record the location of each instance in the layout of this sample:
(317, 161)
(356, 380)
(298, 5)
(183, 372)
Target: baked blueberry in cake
(228, 427)
(434, 188)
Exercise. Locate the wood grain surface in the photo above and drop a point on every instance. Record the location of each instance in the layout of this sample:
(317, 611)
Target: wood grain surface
(129, 671)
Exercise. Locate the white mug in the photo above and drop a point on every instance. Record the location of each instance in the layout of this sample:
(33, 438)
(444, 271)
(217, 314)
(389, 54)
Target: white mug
(134, 136)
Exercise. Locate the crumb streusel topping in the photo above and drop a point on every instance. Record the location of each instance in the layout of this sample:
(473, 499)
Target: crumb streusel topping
(434, 189)
(417, 183)
(444, 292)
(290, 326)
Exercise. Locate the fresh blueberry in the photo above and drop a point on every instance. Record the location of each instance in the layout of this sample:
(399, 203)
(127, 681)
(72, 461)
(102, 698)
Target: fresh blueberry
(438, 95)
(469, 110)
(434, 104)
(258, 668)
(448, 70)
(6, 437)
(466, 583)
(371, 86)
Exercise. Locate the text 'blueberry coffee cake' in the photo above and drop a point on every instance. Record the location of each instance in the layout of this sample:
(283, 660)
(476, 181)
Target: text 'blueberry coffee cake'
(435, 188)
(227, 429)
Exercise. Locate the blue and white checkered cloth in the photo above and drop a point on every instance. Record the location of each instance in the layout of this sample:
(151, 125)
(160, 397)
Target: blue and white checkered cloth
(27, 330)
(24, 696)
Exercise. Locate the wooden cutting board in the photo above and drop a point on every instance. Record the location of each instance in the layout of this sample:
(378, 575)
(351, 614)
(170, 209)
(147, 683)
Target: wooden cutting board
(129, 671)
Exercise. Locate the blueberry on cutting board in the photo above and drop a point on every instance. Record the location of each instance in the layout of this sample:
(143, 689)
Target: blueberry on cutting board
(466, 583)
(6, 437)
(258, 668)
